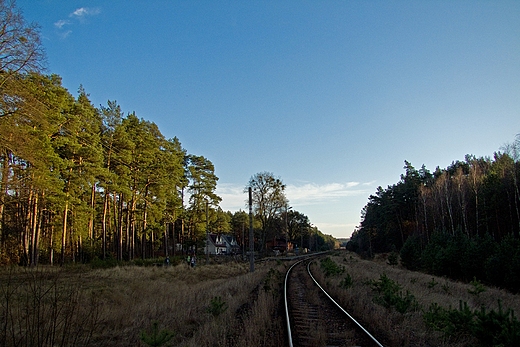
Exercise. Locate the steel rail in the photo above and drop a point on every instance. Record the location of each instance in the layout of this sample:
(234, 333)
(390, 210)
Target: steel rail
(289, 333)
(341, 308)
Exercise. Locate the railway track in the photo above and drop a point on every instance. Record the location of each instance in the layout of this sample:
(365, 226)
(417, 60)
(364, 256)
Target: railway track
(314, 318)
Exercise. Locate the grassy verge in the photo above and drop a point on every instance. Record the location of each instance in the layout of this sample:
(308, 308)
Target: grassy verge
(405, 308)
(213, 305)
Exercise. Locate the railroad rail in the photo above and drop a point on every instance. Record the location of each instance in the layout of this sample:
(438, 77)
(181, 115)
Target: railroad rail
(314, 318)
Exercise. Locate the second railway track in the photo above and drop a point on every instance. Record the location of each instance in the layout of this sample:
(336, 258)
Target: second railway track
(313, 319)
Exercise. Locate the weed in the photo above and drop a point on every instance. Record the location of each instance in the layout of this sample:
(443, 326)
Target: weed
(156, 338)
(347, 282)
(393, 258)
(491, 328)
(389, 294)
(432, 283)
(330, 268)
(500, 328)
(477, 287)
(272, 276)
(217, 306)
(446, 288)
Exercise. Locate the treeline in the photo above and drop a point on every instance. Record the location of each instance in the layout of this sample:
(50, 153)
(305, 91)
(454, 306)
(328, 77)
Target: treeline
(462, 221)
(81, 181)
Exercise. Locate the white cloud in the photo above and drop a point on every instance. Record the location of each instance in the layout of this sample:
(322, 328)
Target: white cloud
(314, 193)
(61, 23)
(329, 206)
(85, 11)
(80, 14)
(65, 34)
(234, 198)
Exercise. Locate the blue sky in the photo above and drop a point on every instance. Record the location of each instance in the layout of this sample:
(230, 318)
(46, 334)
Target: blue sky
(330, 96)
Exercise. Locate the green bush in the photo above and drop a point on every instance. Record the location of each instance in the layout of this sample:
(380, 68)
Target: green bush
(390, 294)
(442, 254)
(393, 258)
(108, 263)
(477, 287)
(156, 338)
(330, 268)
(347, 282)
(500, 328)
(217, 306)
(411, 253)
(491, 328)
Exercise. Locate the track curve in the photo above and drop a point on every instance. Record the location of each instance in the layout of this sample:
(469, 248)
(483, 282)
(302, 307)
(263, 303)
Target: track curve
(313, 318)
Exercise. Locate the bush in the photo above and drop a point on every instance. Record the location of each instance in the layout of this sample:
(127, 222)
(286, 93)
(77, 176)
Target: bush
(491, 328)
(330, 268)
(442, 254)
(347, 282)
(393, 258)
(503, 267)
(217, 306)
(474, 255)
(411, 253)
(389, 294)
(156, 338)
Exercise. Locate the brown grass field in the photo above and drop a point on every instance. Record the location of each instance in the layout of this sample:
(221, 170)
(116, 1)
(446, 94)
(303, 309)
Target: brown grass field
(211, 305)
(392, 328)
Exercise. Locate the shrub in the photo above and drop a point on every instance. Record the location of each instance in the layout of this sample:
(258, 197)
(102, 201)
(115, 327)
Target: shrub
(330, 268)
(500, 328)
(393, 258)
(477, 287)
(347, 282)
(156, 338)
(217, 306)
(449, 321)
(411, 253)
(491, 328)
(390, 294)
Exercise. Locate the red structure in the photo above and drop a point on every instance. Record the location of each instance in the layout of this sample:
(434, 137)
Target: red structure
(279, 244)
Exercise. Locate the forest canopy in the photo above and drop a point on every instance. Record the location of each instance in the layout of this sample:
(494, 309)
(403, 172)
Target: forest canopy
(462, 221)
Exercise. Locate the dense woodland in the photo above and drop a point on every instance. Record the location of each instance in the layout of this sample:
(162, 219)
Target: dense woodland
(79, 182)
(462, 221)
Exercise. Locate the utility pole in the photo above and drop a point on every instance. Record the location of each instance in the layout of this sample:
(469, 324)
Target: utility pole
(207, 234)
(251, 236)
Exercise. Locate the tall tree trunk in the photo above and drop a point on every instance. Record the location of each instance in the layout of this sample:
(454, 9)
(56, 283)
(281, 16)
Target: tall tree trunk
(6, 163)
(64, 232)
(34, 231)
(119, 225)
(166, 225)
(26, 230)
(91, 231)
(447, 195)
(104, 225)
(51, 246)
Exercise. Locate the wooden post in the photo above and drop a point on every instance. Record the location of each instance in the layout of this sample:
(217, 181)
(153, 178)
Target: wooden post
(251, 236)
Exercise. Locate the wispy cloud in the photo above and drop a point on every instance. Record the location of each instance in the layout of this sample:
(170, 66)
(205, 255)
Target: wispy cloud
(234, 198)
(309, 193)
(80, 15)
(61, 23)
(82, 12)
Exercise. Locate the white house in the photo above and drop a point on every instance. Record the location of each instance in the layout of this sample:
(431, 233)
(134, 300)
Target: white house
(222, 244)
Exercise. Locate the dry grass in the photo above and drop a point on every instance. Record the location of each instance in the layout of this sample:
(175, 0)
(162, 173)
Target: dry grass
(128, 300)
(111, 307)
(409, 329)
